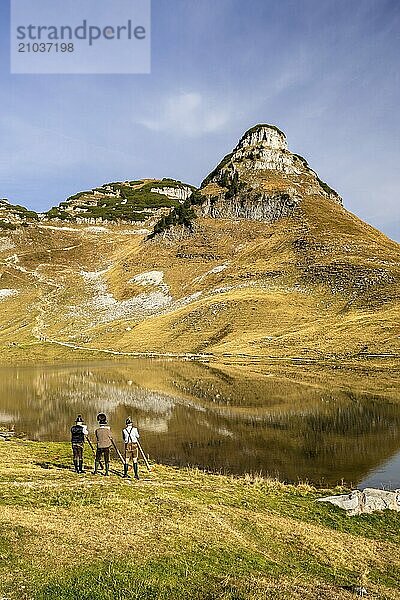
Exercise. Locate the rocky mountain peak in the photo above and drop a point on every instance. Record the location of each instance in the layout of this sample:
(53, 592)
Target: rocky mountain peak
(261, 179)
(267, 135)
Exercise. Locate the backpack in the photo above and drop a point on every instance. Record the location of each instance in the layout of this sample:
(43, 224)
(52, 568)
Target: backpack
(77, 435)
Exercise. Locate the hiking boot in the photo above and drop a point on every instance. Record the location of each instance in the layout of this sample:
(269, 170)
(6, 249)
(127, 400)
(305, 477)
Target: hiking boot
(125, 470)
(135, 468)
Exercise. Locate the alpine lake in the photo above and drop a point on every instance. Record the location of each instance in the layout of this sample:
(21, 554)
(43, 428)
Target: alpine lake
(296, 422)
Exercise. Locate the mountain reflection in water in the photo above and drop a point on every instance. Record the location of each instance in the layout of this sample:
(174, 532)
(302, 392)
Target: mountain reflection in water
(233, 419)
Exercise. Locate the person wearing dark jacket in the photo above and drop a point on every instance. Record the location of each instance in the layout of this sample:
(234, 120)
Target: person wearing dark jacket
(104, 441)
(78, 432)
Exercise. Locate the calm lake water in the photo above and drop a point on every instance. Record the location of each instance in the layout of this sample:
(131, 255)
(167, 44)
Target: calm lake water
(230, 419)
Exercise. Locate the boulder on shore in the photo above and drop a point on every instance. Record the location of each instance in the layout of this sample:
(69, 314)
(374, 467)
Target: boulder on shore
(365, 502)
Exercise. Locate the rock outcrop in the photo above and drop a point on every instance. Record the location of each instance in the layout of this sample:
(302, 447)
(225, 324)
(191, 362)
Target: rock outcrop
(174, 193)
(14, 215)
(262, 207)
(365, 502)
(123, 202)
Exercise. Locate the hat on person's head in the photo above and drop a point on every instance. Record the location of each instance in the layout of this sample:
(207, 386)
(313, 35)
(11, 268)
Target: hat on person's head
(128, 421)
(102, 419)
(79, 419)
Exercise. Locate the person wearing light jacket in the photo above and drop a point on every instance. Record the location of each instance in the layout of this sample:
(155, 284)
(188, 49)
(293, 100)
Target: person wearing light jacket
(130, 435)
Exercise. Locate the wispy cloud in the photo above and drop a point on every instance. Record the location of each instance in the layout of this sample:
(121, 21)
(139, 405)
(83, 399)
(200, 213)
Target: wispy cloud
(188, 114)
(29, 149)
(26, 148)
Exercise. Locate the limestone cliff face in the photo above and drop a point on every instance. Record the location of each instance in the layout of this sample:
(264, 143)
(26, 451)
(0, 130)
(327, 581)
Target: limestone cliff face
(261, 207)
(174, 193)
(265, 148)
(269, 135)
(261, 179)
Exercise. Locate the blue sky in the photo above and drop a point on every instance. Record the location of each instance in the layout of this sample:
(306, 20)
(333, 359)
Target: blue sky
(324, 71)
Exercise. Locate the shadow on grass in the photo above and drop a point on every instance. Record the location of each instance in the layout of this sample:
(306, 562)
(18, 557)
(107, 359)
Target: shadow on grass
(54, 465)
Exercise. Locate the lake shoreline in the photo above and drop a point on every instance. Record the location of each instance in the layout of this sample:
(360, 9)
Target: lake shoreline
(289, 421)
(50, 352)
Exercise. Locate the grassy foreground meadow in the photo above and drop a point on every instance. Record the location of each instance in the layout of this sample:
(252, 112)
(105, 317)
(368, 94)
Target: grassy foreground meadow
(179, 533)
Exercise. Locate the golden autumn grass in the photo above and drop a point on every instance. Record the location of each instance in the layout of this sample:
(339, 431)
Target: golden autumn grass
(317, 285)
(180, 533)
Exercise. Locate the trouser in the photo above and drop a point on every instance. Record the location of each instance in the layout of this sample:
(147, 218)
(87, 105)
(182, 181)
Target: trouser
(77, 451)
(105, 452)
(131, 453)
